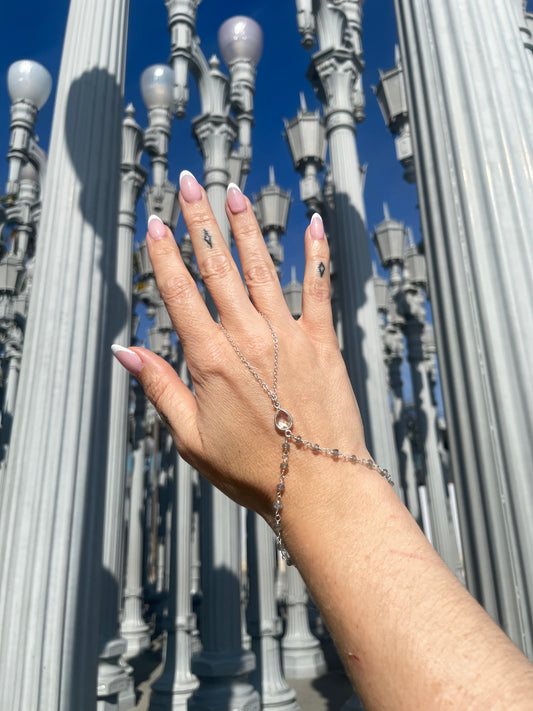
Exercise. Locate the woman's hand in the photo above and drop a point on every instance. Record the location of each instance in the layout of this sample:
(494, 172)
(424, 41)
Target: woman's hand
(226, 428)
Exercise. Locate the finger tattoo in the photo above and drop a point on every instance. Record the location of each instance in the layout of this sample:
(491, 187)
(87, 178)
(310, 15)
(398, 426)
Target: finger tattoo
(321, 269)
(166, 420)
(208, 239)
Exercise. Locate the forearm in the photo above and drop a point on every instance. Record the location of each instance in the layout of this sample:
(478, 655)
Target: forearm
(408, 633)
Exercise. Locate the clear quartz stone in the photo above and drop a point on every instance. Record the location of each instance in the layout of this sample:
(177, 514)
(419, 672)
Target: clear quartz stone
(283, 420)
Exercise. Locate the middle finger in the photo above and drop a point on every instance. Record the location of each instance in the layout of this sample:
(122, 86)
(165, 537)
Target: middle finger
(216, 265)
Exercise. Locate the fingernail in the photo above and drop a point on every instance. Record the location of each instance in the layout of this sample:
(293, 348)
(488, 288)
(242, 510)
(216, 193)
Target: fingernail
(189, 187)
(128, 359)
(236, 201)
(156, 227)
(317, 227)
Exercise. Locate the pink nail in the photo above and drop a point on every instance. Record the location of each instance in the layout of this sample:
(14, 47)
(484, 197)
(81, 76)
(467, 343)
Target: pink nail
(189, 187)
(317, 227)
(128, 359)
(236, 201)
(156, 227)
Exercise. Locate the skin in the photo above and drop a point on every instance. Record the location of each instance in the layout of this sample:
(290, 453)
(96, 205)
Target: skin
(408, 633)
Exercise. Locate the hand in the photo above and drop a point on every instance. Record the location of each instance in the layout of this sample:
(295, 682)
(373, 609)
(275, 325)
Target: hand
(226, 428)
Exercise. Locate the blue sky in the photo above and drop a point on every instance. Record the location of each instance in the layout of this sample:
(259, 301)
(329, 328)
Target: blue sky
(280, 78)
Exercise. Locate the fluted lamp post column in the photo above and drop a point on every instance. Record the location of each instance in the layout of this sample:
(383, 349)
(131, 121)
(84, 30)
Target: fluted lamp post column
(25, 210)
(12, 321)
(394, 357)
(335, 72)
(50, 581)
(133, 627)
(407, 304)
(303, 657)
(264, 622)
(223, 665)
(176, 684)
(470, 136)
(114, 686)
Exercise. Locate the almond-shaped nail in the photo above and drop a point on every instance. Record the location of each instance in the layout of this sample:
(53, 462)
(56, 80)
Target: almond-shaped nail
(189, 187)
(156, 227)
(236, 201)
(317, 227)
(128, 359)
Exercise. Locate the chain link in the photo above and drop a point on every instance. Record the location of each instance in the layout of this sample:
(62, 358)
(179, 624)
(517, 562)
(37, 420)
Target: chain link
(271, 392)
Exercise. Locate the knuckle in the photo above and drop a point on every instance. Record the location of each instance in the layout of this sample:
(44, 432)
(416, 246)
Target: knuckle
(177, 287)
(198, 221)
(248, 229)
(259, 274)
(215, 266)
(318, 291)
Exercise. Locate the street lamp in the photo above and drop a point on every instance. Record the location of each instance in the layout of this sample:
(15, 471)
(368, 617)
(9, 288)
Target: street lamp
(241, 43)
(389, 237)
(240, 40)
(29, 85)
(306, 137)
(272, 209)
(392, 100)
(161, 197)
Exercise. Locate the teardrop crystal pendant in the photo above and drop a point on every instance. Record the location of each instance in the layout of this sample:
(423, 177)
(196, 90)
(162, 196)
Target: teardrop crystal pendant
(283, 420)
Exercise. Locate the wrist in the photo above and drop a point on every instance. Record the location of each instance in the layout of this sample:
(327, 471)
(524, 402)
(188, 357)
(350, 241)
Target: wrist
(326, 496)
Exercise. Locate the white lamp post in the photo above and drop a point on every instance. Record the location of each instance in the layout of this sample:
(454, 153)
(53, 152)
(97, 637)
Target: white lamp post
(29, 85)
(50, 595)
(161, 197)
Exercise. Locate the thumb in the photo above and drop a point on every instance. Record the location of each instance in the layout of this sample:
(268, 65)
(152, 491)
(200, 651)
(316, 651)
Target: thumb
(166, 391)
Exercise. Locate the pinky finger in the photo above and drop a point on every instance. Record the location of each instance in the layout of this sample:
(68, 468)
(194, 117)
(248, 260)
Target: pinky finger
(316, 296)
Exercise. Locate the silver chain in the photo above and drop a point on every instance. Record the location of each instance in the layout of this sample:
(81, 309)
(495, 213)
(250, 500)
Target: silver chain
(283, 422)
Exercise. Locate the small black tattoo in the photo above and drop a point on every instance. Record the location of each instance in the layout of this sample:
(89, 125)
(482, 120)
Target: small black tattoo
(166, 421)
(321, 269)
(208, 239)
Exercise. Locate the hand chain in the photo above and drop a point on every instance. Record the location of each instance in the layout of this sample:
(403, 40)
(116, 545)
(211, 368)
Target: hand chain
(283, 422)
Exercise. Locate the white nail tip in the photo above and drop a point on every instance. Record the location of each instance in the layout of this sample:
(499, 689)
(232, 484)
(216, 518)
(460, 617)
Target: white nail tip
(116, 348)
(154, 217)
(184, 173)
(234, 186)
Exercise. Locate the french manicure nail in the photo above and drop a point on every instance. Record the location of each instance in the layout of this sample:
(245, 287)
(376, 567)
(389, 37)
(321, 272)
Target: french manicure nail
(128, 359)
(317, 227)
(189, 187)
(236, 201)
(156, 227)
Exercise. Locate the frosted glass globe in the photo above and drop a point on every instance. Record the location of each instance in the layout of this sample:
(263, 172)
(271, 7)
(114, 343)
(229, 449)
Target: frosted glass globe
(157, 82)
(30, 81)
(240, 37)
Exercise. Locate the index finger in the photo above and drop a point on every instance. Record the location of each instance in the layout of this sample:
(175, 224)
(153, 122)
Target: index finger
(183, 301)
